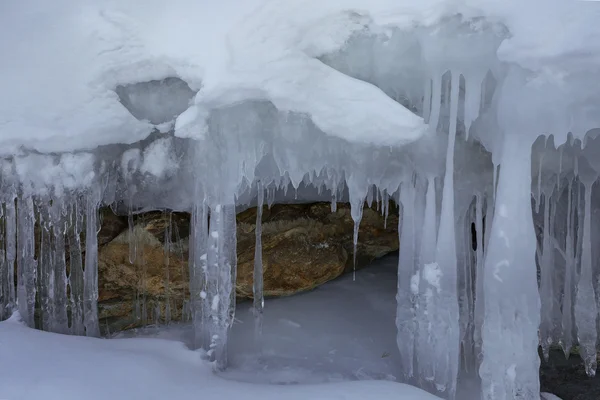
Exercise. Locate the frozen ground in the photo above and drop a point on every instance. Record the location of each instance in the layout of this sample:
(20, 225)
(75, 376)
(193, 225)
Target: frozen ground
(343, 330)
(322, 340)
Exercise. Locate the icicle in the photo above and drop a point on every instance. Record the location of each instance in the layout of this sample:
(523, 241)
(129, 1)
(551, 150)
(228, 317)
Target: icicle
(257, 288)
(429, 242)
(90, 273)
(271, 196)
(538, 198)
(427, 100)
(585, 302)
(4, 282)
(566, 341)
(26, 263)
(141, 262)
(334, 200)
(10, 237)
(473, 94)
(76, 270)
(370, 196)
(445, 334)
(357, 201)
(510, 365)
(46, 270)
(436, 100)
(167, 252)
(547, 269)
(221, 265)
(200, 283)
(427, 269)
(406, 296)
(479, 294)
(60, 320)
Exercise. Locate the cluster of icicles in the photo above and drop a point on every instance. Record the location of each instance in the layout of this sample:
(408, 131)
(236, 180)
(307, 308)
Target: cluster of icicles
(461, 303)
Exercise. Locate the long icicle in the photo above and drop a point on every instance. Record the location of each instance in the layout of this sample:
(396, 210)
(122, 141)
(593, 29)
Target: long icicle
(26, 263)
(585, 301)
(566, 340)
(257, 288)
(11, 252)
(407, 279)
(76, 269)
(90, 273)
(446, 334)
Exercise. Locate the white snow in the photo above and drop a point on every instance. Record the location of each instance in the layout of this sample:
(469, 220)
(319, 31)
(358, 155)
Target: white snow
(63, 62)
(458, 109)
(163, 367)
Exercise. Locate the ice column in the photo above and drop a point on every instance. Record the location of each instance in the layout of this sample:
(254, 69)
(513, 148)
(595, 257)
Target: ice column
(76, 268)
(257, 288)
(8, 261)
(26, 263)
(408, 285)
(548, 269)
(510, 365)
(221, 266)
(90, 274)
(445, 335)
(586, 310)
(199, 273)
(566, 340)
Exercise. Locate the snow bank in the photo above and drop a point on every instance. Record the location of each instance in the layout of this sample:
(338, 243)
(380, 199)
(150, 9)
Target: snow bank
(63, 63)
(41, 365)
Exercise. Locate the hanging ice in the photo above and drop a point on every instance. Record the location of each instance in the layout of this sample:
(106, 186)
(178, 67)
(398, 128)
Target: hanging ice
(510, 364)
(257, 288)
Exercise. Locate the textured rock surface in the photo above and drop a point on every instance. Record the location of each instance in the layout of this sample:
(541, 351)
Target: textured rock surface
(143, 273)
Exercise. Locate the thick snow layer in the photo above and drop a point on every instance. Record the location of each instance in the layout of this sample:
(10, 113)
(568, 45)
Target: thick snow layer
(328, 347)
(63, 62)
(142, 368)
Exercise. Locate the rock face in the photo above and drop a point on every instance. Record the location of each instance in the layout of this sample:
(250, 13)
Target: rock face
(143, 271)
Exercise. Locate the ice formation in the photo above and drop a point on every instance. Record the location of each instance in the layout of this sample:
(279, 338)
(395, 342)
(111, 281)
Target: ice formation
(480, 128)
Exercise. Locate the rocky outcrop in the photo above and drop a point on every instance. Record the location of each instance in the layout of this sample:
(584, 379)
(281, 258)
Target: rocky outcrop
(143, 272)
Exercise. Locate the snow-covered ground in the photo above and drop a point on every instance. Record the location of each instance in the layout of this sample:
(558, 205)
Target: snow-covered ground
(332, 342)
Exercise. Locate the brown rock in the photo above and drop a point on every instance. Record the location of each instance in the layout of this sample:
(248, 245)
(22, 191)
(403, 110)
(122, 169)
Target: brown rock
(304, 246)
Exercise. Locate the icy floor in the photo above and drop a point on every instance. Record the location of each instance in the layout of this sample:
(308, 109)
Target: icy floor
(341, 332)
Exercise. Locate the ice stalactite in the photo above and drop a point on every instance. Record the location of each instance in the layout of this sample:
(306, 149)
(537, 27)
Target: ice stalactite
(510, 365)
(167, 251)
(547, 276)
(58, 215)
(198, 271)
(445, 335)
(586, 311)
(408, 284)
(566, 339)
(90, 273)
(257, 287)
(220, 277)
(478, 311)
(473, 100)
(427, 281)
(26, 262)
(46, 272)
(76, 268)
(4, 281)
(358, 190)
(52, 266)
(466, 260)
(7, 296)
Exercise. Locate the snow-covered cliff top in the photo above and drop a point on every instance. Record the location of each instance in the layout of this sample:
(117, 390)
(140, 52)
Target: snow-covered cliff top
(63, 62)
